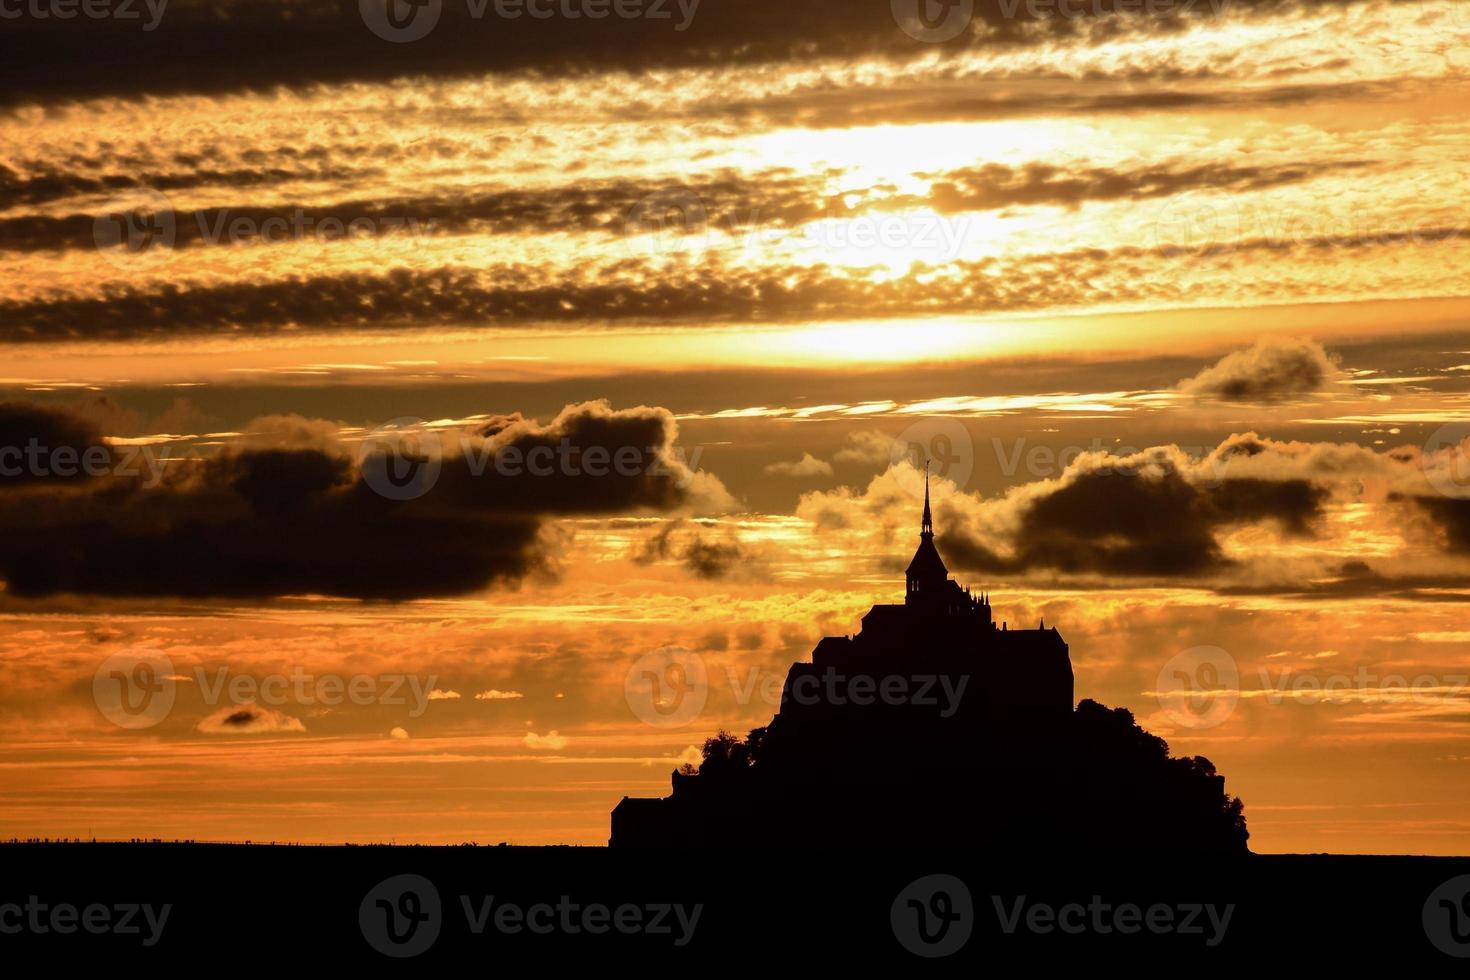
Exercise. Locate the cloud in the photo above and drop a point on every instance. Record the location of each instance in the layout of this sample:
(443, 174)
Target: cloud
(702, 556)
(41, 183)
(590, 459)
(805, 468)
(249, 719)
(261, 522)
(1119, 91)
(438, 695)
(867, 447)
(1144, 516)
(1253, 515)
(692, 292)
(551, 740)
(1452, 515)
(728, 200)
(291, 432)
(713, 559)
(1274, 369)
(494, 695)
(995, 186)
(222, 47)
(40, 445)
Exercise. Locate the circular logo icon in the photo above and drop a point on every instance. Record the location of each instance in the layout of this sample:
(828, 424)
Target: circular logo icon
(1446, 459)
(667, 688)
(933, 21)
(135, 688)
(933, 916)
(136, 228)
(400, 21)
(1188, 227)
(1447, 917)
(944, 445)
(664, 221)
(1199, 688)
(402, 459)
(401, 916)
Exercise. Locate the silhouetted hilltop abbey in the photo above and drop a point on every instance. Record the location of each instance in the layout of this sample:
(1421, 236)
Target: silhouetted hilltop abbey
(935, 728)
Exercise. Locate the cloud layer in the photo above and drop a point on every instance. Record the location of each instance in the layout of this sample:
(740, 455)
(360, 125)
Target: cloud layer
(1254, 514)
(1274, 369)
(268, 520)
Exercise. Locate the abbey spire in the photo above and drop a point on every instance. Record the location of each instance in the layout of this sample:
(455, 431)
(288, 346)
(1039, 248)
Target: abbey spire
(926, 525)
(927, 576)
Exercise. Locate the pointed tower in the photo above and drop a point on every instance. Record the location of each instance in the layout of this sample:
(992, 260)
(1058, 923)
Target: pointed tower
(926, 523)
(926, 575)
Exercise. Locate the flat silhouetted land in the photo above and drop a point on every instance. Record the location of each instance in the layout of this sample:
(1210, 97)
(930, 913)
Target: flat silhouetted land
(298, 905)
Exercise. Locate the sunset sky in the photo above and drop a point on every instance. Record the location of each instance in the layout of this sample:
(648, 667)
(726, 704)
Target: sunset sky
(1178, 303)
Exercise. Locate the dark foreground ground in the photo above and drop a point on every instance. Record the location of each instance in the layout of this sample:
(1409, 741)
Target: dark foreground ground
(494, 908)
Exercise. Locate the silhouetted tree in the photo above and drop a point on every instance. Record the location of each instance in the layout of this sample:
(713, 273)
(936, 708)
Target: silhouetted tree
(725, 755)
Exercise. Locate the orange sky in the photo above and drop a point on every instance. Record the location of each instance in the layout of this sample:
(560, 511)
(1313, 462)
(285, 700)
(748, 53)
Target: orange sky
(1196, 289)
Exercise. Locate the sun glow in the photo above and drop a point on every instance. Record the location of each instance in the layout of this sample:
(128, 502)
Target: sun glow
(901, 154)
(889, 341)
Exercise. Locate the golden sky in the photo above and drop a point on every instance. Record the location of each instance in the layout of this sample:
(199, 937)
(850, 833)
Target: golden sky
(1177, 301)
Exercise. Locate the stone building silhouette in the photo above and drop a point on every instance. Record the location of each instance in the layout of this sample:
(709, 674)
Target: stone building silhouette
(942, 629)
(935, 727)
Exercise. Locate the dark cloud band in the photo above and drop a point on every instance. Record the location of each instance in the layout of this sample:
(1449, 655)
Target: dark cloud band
(212, 47)
(292, 520)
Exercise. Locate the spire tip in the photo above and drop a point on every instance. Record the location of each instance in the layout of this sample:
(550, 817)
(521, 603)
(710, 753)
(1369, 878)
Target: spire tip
(927, 524)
